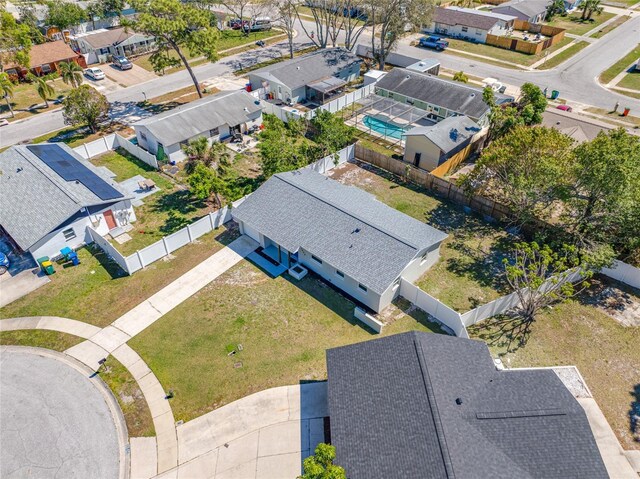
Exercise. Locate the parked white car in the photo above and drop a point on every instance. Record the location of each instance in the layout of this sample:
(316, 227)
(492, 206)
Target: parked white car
(94, 73)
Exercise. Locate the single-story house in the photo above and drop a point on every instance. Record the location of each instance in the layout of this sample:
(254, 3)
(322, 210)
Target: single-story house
(428, 406)
(469, 23)
(578, 127)
(424, 65)
(342, 233)
(532, 11)
(44, 58)
(317, 76)
(427, 147)
(98, 45)
(442, 98)
(215, 117)
(49, 196)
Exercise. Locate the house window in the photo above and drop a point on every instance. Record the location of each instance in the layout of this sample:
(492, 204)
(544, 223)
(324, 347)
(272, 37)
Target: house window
(143, 137)
(316, 259)
(465, 29)
(478, 32)
(69, 234)
(362, 287)
(214, 132)
(436, 109)
(340, 273)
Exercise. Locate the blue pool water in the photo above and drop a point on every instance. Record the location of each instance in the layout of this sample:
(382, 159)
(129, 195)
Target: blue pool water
(384, 128)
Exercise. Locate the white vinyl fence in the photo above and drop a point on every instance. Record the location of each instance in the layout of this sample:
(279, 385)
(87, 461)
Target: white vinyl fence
(333, 106)
(109, 249)
(111, 142)
(623, 272)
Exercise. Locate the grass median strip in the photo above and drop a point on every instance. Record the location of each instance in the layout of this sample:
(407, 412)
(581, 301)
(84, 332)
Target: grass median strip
(619, 66)
(563, 56)
(40, 338)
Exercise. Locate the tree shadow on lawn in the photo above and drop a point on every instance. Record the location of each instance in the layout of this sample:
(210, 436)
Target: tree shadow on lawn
(634, 413)
(179, 201)
(110, 266)
(508, 332)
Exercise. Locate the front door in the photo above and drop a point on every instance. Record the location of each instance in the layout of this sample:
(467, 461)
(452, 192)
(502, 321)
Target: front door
(110, 219)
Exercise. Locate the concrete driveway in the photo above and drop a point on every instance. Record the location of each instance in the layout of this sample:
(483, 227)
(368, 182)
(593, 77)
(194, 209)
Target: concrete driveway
(263, 436)
(56, 421)
(126, 78)
(23, 275)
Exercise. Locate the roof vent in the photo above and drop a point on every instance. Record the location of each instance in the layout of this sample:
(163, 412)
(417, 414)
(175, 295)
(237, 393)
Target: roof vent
(458, 401)
(357, 230)
(297, 68)
(408, 77)
(472, 95)
(246, 110)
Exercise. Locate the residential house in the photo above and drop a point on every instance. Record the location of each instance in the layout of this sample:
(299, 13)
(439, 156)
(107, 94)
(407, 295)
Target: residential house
(442, 98)
(50, 195)
(215, 117)
(428, 406)
(98, 46)
(317, 76)
(44, 58)
(469, 24)
(427, 147)
(578, 127)
(532, 11)
(342, 233)
(424, 65)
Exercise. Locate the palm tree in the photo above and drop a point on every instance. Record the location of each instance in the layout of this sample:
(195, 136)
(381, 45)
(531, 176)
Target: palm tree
(589, 7)
(214, 155)
(6, 90)
(461, 77)
(71, 73)
(44, 88)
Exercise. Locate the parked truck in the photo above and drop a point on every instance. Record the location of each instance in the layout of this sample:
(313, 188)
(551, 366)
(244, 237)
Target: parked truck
(433, 42)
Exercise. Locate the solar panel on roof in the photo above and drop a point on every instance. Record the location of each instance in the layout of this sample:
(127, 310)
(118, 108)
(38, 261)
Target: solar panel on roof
(70, 169)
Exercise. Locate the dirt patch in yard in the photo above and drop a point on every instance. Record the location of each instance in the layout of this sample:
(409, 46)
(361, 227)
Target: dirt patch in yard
(616, 300)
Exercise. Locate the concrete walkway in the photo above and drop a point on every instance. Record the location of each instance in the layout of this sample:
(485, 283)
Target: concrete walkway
(265, 435)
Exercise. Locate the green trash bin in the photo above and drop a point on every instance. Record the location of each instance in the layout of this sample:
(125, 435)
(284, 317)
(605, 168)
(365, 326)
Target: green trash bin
(555, 94)
(46, 265)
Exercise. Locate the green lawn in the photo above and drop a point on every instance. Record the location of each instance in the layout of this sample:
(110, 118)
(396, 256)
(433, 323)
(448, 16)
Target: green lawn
(501, 53)
(284, 327)
(26, 102)
(98, 291)
(469, 272)
(631, 80)
(619, 66)
(40, 338)
(612, 26)
(573, 24)
(78, 136)
(576, 333)
(563, 56)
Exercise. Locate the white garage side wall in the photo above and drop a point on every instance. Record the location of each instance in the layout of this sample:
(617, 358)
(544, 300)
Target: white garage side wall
(346, 284)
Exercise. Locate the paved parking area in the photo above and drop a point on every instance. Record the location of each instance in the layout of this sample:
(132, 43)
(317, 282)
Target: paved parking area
(22, 277)
(127, 78)
(56, 421)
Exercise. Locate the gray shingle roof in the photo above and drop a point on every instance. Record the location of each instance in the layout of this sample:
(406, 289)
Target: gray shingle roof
(469, 17)
(200, 116)
(393, 409)
(36, 200)
(344, 226)
(578, 127)
(454, 96)
(448, 134)
(305, 69)
(530, 8)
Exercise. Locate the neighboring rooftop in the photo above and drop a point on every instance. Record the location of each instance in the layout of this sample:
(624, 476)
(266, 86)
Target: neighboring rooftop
(48, 52)
(428, 406)
(344, 226)
(578, 127)
(104, 37)
(301, 71)
(36, 199)
(469, 17)
(454, 96)
(191, 119)
(449, 133)
(530, 8)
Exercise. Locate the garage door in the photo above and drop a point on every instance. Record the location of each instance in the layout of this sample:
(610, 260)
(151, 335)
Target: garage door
(251, 232)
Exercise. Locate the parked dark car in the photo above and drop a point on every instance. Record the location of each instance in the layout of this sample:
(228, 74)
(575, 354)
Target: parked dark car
(4, 263)
(433, 42)
(235, 23)
(122, 63)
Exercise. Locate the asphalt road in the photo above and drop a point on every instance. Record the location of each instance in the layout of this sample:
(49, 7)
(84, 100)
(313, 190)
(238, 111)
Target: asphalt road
(55, 422)
(576, 79)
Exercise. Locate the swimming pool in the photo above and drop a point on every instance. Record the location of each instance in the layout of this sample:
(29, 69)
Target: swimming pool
(384, 128)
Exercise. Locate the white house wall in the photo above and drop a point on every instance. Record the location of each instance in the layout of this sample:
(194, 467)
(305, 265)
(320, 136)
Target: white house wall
(430, 153)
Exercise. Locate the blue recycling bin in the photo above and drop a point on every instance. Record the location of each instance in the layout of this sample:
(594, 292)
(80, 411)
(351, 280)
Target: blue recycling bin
(73, 256)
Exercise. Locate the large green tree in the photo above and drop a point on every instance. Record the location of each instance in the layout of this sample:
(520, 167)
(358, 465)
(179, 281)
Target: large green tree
(604, 205)
(86, 106)
(28, 17)
(526, 170)
(178, 28)
(65, 15)
(15, 41)
(331, 133)
(321, 466)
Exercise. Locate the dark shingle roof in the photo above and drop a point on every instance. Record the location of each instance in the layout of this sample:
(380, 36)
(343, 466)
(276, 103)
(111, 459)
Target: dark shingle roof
(393, 409)
(468, 17)
(454, 96)
(305, 69)
(344, 226)
(36, 200)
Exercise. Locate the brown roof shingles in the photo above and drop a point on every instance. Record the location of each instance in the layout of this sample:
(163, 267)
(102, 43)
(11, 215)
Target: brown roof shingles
(50, 52)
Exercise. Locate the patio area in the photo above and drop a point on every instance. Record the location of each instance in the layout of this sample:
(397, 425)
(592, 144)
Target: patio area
(134, 186)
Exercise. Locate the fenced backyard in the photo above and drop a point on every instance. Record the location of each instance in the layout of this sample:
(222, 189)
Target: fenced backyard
(113, 142)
